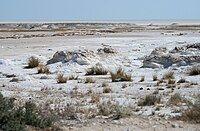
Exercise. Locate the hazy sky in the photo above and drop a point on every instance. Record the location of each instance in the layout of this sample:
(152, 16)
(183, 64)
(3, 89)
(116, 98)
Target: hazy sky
(98, 9)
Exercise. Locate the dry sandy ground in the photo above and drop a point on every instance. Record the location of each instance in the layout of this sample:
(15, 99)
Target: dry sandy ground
(129, 45)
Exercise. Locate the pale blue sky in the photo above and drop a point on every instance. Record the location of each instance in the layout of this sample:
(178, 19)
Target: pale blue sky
(98, 9)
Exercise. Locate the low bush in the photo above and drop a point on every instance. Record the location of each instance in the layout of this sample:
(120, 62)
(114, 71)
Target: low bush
(149, 100)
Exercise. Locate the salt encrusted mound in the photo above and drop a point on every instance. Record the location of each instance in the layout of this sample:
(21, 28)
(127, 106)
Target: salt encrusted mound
(82, 57)
(179, 56)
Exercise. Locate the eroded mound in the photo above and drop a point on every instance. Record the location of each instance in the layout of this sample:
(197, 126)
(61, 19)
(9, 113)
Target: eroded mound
(161, 57)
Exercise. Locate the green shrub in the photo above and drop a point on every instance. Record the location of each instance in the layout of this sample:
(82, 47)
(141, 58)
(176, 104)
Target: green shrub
(14, 118)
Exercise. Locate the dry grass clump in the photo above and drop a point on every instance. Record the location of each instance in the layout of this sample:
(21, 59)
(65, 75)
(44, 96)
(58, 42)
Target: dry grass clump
(170, 81)
(149, 100)
(73, 77)
(33, 62)
(168, 75)
(159, 82)
(177, 99)
(195, 70)
(89, 80)
(95, 98)
(142, 79)
(120, 75)
(155, 77)
(104, 84)
(96, 71)
(61, 78)
(193, 113)
(107, 90)
(43, 69)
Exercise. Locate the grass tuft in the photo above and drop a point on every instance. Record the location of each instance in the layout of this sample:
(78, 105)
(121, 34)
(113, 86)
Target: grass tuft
(33, 62)
(168, 75)
(73, 77)
(96, 71)
(155, 77)
(61, 79)
(120, 75)
(43, 69)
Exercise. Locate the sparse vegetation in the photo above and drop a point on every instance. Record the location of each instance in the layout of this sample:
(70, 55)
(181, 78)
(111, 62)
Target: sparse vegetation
(33, 62)
(96, 71)
(14, 118)
(43, 69)
(107, 90)
(195, 70)
(142, 79)
(61, 78)
(89, 80)
(168, 75)
(149, 100)
(120, 75)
